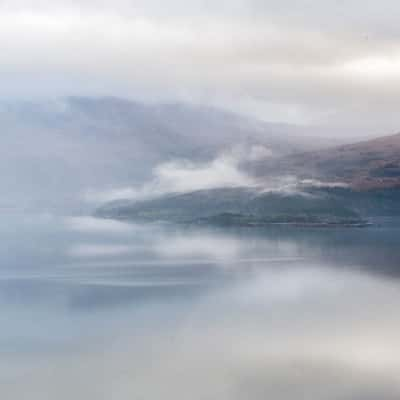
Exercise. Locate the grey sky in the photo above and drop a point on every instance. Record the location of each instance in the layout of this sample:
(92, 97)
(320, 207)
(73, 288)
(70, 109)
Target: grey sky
(301, 61)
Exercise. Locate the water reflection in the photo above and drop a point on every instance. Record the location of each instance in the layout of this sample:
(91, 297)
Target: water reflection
(102, 309)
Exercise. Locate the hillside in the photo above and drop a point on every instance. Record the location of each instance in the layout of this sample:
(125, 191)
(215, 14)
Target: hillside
(240, 206)
(364, 165)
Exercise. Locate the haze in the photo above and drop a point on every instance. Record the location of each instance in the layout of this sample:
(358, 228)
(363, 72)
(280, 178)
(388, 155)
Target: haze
(200, 199)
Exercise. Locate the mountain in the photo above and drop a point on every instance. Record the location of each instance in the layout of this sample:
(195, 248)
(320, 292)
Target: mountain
(57, 149)
(365, 165)
(343, 185)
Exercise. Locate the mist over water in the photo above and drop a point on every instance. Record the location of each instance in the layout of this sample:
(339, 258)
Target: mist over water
(102, 309)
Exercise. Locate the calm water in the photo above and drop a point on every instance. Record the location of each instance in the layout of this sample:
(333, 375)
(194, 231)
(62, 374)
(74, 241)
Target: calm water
(93, 309)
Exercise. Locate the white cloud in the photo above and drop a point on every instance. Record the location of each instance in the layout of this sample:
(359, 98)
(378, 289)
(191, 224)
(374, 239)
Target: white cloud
(186, 176)
(182, 176)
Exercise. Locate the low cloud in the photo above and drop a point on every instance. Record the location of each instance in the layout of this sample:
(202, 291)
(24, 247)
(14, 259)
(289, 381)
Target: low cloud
(225, 171)
(320, 184)
(180, 176)
(292, 185)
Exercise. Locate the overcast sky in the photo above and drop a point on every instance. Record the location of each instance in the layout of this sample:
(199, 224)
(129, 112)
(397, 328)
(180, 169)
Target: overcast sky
(300, 61)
